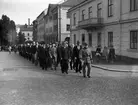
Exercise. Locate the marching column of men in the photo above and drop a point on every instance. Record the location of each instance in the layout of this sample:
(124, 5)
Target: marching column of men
(51, 55)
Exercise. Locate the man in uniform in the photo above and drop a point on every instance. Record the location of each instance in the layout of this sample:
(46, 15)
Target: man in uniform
(86, 59)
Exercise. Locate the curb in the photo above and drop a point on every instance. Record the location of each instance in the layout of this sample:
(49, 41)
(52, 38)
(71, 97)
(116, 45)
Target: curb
(113, 70)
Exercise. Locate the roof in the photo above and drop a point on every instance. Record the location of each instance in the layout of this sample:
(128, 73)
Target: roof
(42, 13)
(79, 2)
(50, 7)
(70, 2)
(26, 29)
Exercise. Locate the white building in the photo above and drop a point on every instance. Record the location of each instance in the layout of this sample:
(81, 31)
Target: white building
(27, 32)
(106, 23)
(57, 23)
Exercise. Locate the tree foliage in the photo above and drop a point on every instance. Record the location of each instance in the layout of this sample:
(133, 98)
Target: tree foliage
(21, 38)
(5, 26)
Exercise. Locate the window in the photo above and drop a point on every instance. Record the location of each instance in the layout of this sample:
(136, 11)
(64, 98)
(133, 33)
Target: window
(46, 20)
(133, 39)
(83, 38)
(90, 12)
(74, 39)
(110, 39)
(133, 5)
(99, 39)
(55, 17)
(50, 18)
(83, 14)
(68, 27)
(74, 19)
(55, 28)
(99, 10)
(90, 39)
(110, 8)
(28, 34)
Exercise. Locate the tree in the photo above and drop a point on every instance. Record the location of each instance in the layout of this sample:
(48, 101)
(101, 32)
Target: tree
(12, 25)
(5, 26)
(21, 38)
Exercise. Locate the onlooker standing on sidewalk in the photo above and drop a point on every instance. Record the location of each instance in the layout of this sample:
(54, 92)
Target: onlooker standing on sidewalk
(105, 53)
(98, 53)
(112, 54)
(86, 58)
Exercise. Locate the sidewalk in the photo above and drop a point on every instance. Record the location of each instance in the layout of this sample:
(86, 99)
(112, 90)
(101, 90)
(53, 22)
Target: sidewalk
(117, 67)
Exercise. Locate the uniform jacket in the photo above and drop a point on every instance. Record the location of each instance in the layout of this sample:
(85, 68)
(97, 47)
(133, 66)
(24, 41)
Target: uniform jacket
(86, 55)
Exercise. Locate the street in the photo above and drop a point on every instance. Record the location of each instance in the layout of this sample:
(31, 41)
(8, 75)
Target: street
(22, 83)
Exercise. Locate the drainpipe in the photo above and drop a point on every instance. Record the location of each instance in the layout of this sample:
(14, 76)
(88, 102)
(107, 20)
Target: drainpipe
(80, 37)
(59, 23)
(120, 27)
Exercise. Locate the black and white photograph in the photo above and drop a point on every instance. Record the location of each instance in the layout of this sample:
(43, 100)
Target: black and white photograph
(68, 52)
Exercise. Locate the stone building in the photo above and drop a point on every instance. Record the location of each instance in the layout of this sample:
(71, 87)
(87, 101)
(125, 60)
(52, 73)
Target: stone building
(40, 27)
(106, 23)
(57, 23)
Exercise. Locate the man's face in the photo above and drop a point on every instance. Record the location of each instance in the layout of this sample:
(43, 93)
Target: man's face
(78, 43)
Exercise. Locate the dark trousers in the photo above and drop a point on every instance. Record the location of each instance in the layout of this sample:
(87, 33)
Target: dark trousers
(43, 63)
(78, 65)
(64, 65)
(72, 64)
(88, 65)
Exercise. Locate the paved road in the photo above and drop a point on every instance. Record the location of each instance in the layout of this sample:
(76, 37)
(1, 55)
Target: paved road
(21, 83)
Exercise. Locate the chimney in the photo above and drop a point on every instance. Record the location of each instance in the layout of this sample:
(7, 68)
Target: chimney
(28, 21)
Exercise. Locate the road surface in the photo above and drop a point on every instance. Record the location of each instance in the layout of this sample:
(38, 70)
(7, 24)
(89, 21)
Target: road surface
(22, 83)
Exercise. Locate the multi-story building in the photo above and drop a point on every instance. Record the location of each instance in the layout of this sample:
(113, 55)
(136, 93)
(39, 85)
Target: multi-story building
(35, 30)
(106, 23)
(27, 31)
(40, 27)
(57, 23)
(48, 24)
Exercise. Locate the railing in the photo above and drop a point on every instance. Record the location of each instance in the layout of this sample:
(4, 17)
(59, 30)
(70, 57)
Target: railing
(91, 21)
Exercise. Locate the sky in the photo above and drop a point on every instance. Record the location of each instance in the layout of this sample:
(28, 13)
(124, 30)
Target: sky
(20, 10)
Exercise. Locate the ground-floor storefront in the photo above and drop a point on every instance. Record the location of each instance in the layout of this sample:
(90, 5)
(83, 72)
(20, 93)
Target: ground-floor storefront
(124, 38)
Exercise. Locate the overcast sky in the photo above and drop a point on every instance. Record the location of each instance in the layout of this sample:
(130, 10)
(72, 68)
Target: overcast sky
(21, 10)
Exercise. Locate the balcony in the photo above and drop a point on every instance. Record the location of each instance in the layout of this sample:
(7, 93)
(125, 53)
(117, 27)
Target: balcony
(91, 23)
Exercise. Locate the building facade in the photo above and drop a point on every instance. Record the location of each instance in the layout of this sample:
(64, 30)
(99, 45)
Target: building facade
(106, 23)
(50, 35)
(35, 30)
(27, 31)
(40, 27)
(57, 23)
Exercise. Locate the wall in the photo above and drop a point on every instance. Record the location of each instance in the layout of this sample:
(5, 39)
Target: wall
(126, 14)
(30, 35)
(64, 22)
